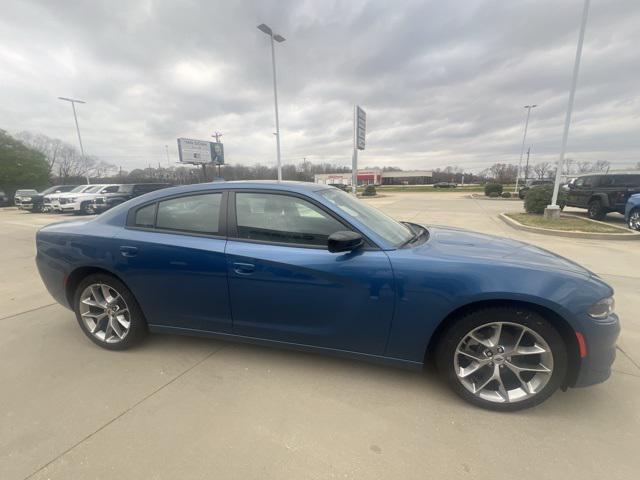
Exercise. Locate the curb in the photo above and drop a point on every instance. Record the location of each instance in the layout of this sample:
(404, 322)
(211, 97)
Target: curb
(484, 197)
(567, 233)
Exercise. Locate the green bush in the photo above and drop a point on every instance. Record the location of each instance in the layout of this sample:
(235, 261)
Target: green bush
(537, 199)
(494, 194)
(506, 195)
(369, 191)
(492, 187)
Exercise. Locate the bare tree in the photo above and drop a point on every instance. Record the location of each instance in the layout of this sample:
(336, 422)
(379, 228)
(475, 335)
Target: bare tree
(541, 169)
(601, 166)
(49, 147)
(584, 166)
(568, 166)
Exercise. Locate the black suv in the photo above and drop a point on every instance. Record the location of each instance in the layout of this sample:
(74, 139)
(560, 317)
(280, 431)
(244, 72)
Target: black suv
(603, 193)
(35, 202)
(125, 192)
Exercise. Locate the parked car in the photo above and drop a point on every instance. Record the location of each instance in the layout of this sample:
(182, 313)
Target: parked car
(5, 201)
(82, 202)
(445, 185)
(52, 201)
(603, 193)
(35, 202)
(341, 186)
(310, 267)
(522, 192)
(632, 212)
(124, 192)
(22, 192)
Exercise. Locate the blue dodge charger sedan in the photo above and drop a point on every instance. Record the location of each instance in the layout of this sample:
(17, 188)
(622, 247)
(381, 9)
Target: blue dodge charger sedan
(310, 267)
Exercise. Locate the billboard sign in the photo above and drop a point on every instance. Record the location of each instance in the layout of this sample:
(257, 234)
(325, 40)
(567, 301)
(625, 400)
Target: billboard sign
(200, 152)
(361, 128)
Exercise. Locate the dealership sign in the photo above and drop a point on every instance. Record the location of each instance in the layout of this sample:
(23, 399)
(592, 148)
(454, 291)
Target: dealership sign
(200, 152)
(361, 127)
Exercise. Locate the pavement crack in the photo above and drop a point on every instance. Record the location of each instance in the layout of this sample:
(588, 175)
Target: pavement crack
(635, 364)
(28, 311)
(123, 413)
(625, 373)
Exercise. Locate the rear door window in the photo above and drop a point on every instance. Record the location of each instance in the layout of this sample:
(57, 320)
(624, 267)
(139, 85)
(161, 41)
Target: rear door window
(195, 213)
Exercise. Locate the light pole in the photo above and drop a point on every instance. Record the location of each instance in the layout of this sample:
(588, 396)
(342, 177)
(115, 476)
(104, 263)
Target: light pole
(524, 137)
(278, 38)
(166, 149)
(553, 210)
(73, 105)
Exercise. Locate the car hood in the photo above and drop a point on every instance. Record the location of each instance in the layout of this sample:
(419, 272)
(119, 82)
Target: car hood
(459, 243)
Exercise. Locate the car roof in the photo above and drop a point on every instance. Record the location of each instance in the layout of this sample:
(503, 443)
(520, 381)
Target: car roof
(298, 187)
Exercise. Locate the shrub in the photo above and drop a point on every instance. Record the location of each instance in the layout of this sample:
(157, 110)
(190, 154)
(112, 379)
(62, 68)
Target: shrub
(494, 194)
(538, 198)
(492, 187)
(506, 195)
(369, 191)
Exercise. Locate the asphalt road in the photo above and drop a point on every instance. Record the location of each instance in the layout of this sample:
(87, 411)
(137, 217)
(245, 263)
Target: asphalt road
(188, 408)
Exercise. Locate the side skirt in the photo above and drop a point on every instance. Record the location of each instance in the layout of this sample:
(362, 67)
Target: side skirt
(378, 359)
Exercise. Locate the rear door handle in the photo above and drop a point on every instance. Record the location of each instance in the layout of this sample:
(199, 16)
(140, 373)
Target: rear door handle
(127, 251)
(243, 268)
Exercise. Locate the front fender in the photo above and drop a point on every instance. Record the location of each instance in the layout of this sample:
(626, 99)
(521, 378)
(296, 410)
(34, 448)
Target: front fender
(604, 199)
(428, 292)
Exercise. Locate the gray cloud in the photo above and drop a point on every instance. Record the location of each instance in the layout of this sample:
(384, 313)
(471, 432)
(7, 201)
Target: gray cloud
(442, 82)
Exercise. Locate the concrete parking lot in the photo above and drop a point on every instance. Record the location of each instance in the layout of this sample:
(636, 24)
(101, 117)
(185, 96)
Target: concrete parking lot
(186, 408)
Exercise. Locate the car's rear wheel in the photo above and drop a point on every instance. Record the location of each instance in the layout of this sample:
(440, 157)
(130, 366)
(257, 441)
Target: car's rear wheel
(108, 313)
(596, 211)
(502, 359)
(634, 219)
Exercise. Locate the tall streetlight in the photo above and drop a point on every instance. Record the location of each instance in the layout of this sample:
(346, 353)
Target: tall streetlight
(553, 210)
(278, 38)
(524, 137)
(75, 116)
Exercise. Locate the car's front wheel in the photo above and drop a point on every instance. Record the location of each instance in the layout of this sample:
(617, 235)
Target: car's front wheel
(108, 313)
(634, 219)
(503, 359)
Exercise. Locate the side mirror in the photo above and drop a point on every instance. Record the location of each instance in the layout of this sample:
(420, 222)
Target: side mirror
(344, 241)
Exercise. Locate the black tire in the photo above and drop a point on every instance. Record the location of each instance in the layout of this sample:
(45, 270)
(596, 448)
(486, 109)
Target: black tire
(596, 211)
(138, 323)
(634, 219)
(449, 341)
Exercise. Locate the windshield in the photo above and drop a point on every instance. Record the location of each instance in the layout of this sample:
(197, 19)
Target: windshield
(393, 232)
(93, 189)
(79, 188)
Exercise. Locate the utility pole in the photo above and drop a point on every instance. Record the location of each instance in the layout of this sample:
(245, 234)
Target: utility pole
(553, 210)
(526, 169)
(524, 137)
(75, 117)
(166, 148)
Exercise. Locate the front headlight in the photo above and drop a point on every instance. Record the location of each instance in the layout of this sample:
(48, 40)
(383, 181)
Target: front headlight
(602, 309)
(71, 199)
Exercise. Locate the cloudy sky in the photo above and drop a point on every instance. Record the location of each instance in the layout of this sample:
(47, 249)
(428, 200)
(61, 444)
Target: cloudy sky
(443, 83)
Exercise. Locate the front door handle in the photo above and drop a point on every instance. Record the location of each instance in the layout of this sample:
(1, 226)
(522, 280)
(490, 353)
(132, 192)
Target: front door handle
(127, 251)
(243, 268)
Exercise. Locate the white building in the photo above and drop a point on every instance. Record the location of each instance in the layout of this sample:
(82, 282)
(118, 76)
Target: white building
(378, 177)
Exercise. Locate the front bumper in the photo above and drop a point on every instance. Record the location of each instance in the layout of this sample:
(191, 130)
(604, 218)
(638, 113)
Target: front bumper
(600, 339)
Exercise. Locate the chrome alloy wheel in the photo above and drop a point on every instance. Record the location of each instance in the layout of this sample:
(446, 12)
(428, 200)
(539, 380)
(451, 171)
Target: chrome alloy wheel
(105, 313)
(634, 220)
(503, 362)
